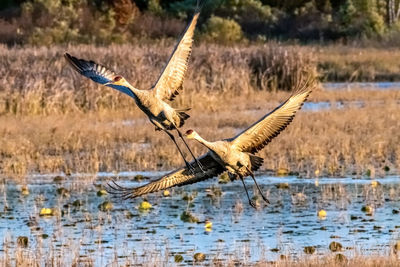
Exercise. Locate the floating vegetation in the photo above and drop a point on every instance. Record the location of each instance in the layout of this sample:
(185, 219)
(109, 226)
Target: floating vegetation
(208, 225)
(199, 257)
(106, 206)
(166, 193)
(282, 172)
(335, 246)
(214, 192)
(299, 198)
(46, 212)
(77, 203)
(24, 190)
(282, 186)
(102, 192)
(186, 216)
(178, 258)
(63, 192)
(369, 210)
(189, 197)
(322, 214)
(145, 206)
(309, 250)
(224, 178)
(375, 184)
(129, 215)
(138, 178)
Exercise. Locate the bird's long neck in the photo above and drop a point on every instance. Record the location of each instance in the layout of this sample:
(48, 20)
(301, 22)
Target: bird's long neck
(209, 145)
(133, 92)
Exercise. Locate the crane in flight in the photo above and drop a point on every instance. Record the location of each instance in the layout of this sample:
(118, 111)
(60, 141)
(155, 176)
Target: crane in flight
(153, 101)
(235, 155)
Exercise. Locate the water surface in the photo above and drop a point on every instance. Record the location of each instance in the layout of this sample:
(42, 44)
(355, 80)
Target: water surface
(285, 226)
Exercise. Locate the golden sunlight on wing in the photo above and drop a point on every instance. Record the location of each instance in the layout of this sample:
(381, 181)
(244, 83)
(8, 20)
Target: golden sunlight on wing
(258, 135)
(171, 79)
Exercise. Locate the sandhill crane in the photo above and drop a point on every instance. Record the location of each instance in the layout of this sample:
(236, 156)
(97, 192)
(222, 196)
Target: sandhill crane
(153, 101)
(235, 155)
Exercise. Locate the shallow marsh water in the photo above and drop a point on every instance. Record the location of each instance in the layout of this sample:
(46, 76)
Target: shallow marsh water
(239, 232)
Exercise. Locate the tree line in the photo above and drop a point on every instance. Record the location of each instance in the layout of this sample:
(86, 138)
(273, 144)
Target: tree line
(46, 22)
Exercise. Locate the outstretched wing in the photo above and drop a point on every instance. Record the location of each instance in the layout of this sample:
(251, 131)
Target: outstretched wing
(96, 72)
(179, 177)
(171, 79)
(258, 135)
(90, 69)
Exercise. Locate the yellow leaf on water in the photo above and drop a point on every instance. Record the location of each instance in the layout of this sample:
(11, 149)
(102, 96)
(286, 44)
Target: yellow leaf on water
(46, 212)
(145, 205)
(322, 214)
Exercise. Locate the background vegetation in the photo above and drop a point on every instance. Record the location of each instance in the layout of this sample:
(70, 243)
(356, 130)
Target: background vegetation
(117, 21)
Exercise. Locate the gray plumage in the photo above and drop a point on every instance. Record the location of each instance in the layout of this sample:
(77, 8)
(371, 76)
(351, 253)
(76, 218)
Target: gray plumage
(153, 101)
(235, 155)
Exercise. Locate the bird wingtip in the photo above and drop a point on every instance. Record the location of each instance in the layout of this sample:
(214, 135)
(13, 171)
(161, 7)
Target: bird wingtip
(68, 57)
(199, 5)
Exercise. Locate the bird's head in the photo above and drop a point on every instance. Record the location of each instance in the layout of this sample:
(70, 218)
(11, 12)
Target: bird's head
(190, 134)
(117, 80)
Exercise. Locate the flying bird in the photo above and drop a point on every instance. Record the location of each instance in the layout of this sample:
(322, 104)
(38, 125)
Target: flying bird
(153, 101)
(235, 155)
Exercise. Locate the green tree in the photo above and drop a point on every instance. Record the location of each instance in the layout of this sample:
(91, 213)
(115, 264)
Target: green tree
(347, 14)
(223, 30)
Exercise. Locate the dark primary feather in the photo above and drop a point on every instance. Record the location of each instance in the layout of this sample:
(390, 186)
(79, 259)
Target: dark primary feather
(179, 177)
(258, 135)
(97, 73)
(90, 69)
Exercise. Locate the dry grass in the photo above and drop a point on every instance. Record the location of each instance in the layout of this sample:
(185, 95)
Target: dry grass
(53, 120)
(72, 256)
(335, 141)
(38, 80)
(343, 63)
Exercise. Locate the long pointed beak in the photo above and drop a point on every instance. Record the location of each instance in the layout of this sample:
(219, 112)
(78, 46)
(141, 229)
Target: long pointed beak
(108, 83)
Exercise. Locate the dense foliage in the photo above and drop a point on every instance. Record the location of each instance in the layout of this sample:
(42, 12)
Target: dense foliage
(224, 21)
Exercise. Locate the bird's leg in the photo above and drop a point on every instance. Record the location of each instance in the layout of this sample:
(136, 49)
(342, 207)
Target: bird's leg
(191, 153)
(251, 202)
(190, 167)
(259, 189)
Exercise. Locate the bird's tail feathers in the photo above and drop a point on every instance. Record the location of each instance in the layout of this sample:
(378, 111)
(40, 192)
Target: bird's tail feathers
(256, 162)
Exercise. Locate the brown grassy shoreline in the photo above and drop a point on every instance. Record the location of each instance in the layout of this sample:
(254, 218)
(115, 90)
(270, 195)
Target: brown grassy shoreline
(25, 257)
(336, 142)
